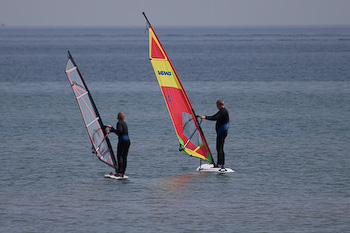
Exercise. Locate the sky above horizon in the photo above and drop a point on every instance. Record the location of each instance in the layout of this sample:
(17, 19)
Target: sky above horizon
(174, 13)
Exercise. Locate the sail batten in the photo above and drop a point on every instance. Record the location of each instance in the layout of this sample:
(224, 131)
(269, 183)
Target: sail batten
(96, 119)
(78, 97)
(71, 69)
(186, 125)
(100, 143)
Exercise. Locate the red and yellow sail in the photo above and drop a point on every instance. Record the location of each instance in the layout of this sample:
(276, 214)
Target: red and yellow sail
(187, 128)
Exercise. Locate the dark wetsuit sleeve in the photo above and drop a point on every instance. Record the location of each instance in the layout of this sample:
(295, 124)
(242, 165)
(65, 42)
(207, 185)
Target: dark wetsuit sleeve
(119, 129)
(221, 118)
(215, 117)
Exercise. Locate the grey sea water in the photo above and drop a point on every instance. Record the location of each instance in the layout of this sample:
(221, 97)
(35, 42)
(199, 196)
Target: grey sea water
(288, 94)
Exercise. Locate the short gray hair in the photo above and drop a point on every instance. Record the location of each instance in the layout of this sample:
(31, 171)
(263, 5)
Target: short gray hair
(220, 102)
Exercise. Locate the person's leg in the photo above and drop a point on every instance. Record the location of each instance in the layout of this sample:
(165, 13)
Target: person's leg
(218, 150)
(120, 157)
(220, 147)
(126, 146)
(123, 155)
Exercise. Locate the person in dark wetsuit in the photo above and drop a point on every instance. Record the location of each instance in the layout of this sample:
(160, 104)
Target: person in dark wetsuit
(222, 119)
(123, 144)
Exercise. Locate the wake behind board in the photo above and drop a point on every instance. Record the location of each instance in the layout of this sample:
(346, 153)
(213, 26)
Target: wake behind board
(211, 168)
(116, 177)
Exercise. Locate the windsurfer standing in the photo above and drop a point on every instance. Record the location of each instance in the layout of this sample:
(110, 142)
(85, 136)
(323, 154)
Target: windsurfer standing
(222, 119)
(123, 144)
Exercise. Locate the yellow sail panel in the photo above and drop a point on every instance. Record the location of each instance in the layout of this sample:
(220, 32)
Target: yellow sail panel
(195, 154)
(165, 74)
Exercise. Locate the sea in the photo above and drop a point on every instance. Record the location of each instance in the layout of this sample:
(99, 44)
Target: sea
(287, 90)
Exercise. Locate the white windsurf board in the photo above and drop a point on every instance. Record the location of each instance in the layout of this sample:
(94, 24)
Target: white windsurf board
(210, 168)
(116, 177)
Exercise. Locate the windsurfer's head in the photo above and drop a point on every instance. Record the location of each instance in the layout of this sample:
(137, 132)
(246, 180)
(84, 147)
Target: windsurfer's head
(220, 104)
(121, 116)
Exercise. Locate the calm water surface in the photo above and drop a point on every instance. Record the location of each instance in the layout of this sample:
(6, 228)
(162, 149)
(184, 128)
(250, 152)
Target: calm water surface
(288, 94)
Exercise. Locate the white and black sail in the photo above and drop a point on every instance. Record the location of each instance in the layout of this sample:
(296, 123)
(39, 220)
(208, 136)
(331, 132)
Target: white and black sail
(101, 145)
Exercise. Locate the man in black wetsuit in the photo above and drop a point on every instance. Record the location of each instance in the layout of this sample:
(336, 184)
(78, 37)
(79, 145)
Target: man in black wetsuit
(222, 119)
(123, 144)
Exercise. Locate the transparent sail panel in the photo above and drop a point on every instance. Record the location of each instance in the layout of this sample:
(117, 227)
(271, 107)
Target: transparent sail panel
(69, 65)
(100, 143)
(190, 130)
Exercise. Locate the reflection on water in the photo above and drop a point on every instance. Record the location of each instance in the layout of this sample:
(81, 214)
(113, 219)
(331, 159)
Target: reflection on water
(181, 186)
